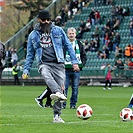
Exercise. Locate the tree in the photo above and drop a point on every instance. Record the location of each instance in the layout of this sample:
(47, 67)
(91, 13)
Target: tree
(34, 6)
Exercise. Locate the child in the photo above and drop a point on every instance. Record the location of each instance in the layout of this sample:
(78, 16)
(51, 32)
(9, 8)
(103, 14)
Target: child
(108, 77)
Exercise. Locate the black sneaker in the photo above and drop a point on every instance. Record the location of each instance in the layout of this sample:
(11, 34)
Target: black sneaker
(39, 102)
(48, 106)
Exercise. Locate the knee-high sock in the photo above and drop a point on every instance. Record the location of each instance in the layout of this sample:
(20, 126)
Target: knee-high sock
(131, 100)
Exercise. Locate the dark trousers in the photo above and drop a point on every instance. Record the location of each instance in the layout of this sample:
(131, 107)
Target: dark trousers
(108, 82)
(74, 78)
(46, 94)
(16, 80)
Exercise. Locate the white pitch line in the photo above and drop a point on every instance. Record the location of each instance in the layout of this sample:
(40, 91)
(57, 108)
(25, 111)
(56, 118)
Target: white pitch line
(71, 122)
(61, 115)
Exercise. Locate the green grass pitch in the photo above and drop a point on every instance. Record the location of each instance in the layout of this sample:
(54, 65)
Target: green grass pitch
(19, 112)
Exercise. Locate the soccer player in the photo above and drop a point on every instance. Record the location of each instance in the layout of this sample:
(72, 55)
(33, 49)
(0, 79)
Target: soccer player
(47, 42)
(71, 75)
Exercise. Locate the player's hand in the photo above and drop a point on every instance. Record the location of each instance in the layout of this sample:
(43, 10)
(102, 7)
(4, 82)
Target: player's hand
(24, 76)
(76, 67)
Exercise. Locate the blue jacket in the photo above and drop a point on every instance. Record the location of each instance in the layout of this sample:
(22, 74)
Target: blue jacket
(59, 40)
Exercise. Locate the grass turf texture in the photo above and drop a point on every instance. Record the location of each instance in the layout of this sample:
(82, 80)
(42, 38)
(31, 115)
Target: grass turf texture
(19, 112)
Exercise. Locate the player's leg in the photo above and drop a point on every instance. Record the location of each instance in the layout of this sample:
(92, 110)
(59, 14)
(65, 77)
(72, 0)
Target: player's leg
(58, 73)
(130, 105)
(48, 100)
(54, 75)
(39, 99)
